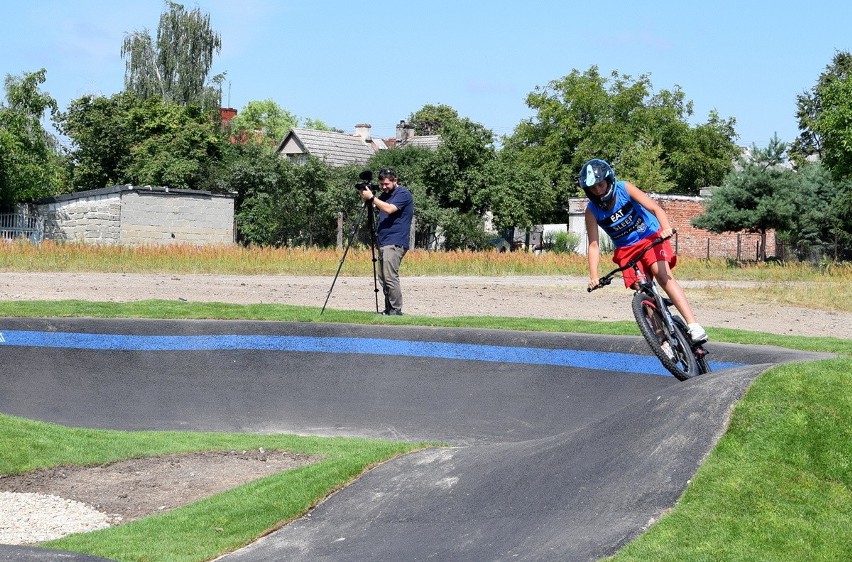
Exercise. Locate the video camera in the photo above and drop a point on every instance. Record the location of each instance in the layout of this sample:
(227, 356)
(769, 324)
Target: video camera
(366, 176)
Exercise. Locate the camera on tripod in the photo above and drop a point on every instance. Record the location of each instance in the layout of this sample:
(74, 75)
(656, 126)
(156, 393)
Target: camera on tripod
(366, 176)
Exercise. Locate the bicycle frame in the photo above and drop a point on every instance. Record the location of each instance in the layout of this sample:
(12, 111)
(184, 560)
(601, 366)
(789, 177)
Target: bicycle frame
(684, 357)
(607, 279)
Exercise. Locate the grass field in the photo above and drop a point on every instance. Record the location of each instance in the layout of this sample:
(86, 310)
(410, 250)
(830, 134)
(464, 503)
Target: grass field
(777, 487)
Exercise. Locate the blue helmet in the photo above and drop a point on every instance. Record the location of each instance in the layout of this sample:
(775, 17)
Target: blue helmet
(591, 173)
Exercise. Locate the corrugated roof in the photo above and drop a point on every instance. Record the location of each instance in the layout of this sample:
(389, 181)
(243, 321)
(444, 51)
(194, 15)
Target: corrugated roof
(336, 149)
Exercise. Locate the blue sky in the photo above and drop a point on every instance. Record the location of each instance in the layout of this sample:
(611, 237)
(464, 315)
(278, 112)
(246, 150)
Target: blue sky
(377, 62)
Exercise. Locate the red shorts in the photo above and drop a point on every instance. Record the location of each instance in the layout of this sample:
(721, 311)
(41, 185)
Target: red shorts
(661, 252)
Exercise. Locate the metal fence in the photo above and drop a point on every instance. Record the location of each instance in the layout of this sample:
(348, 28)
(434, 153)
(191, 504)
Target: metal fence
(814, 253)
(15, 226)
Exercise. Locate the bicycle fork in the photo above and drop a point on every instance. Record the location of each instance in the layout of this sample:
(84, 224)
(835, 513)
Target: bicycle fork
(667, 331)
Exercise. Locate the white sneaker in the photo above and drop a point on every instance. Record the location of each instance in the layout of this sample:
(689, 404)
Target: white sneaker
(697, 333)
(667, 349)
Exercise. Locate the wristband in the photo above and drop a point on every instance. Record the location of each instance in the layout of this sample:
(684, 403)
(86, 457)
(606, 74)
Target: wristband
(371, 199)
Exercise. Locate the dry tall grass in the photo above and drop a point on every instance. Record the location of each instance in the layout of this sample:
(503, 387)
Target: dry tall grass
(824, 287)
(239, 260)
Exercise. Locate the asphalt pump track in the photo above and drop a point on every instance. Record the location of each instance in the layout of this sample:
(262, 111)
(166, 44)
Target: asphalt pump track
(560, 446)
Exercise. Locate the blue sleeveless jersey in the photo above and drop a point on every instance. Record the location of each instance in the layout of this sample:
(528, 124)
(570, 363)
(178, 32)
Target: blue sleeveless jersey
(628, 222)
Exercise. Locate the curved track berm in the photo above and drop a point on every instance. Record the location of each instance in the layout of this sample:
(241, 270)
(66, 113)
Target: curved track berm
(562, 446)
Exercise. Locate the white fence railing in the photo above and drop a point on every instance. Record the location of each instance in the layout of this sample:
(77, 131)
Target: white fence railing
(14, 226)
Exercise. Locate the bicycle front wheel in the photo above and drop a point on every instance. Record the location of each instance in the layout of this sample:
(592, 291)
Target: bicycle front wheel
(677, 358)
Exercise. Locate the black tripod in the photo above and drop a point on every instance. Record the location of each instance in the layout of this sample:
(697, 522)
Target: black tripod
(371, 223)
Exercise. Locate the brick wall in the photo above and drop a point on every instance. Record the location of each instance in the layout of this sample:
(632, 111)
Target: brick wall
(691, 241)
(699, 243)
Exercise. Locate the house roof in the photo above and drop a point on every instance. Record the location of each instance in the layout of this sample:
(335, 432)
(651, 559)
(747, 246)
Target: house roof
(424, 141)
(141, 189)
(336, 149)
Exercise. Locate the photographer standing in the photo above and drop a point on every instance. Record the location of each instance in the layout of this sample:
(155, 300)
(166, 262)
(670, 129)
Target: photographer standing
(396, 209)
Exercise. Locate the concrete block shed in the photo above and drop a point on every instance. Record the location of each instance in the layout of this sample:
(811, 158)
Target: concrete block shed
(139, 215)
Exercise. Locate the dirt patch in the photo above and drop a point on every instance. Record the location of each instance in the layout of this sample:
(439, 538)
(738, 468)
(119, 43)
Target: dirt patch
(131, 489)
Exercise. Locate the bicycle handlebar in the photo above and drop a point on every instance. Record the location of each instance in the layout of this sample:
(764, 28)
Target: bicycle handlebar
(607, 279)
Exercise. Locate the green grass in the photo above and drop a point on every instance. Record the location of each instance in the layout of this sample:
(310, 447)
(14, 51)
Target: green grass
(777, 486)
(207, 528)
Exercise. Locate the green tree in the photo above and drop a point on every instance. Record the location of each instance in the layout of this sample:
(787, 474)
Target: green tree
(177, 65)
(645, 167)
(283, 203)
(30, 165)
(517, 196)
(264, 121)
(758, 198)
(823, 215)
(317, 124)
(124, 139)
(429, 119)
(101, 141)
(172, 145)
(457, 175)
(810, 106)
(620, 119)
(834, 125)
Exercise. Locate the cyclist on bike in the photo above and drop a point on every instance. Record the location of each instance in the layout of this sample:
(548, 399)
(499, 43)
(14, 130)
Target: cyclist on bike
(632, 220)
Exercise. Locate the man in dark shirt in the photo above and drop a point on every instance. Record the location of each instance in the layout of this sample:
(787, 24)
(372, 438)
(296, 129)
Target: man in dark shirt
(396, 209)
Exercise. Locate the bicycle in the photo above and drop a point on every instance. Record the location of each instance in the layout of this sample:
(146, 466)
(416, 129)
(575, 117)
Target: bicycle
(666, 333)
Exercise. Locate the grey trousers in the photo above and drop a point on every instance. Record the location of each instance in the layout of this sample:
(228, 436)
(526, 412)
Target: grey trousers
(389, 259)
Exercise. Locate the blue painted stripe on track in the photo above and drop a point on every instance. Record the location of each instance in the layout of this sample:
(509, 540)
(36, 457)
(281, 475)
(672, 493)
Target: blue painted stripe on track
(608, 361)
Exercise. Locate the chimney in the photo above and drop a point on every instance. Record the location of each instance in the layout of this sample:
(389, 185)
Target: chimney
(226, 114)
(403, 132)
(363, 131)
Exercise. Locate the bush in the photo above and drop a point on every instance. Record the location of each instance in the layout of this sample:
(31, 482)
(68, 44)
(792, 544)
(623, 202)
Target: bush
(564, 242)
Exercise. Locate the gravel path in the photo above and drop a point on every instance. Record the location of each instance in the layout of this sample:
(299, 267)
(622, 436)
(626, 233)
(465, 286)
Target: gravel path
(27, 518)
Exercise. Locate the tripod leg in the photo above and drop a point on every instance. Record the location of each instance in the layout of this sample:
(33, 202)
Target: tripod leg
(371, 221)
(343, 258)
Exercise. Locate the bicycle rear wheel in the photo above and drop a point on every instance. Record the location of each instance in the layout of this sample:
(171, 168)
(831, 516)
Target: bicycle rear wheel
(679, 361)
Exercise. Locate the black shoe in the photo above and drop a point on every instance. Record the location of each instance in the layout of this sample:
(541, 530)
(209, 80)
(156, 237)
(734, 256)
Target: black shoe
(392, 313)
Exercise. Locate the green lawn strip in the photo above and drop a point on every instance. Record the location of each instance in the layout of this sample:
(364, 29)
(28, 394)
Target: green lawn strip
(778, 486)
(229, 520)
(208, 527)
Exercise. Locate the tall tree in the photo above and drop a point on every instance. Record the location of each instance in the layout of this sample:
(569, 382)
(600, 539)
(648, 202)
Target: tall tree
(621, 119)
(834, 126)
(429, 119)
(823, 215)
(176, 66)
(263, 121)
(811, 104)
(29, 155)
(124, 139)
(758, 198)
(101, 142)
(174, 146)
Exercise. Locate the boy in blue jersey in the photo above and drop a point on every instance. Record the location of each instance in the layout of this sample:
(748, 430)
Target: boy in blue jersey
(396, 209)
(633, 221)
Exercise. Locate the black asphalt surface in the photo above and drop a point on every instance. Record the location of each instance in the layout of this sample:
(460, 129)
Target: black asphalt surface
(546, 461)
